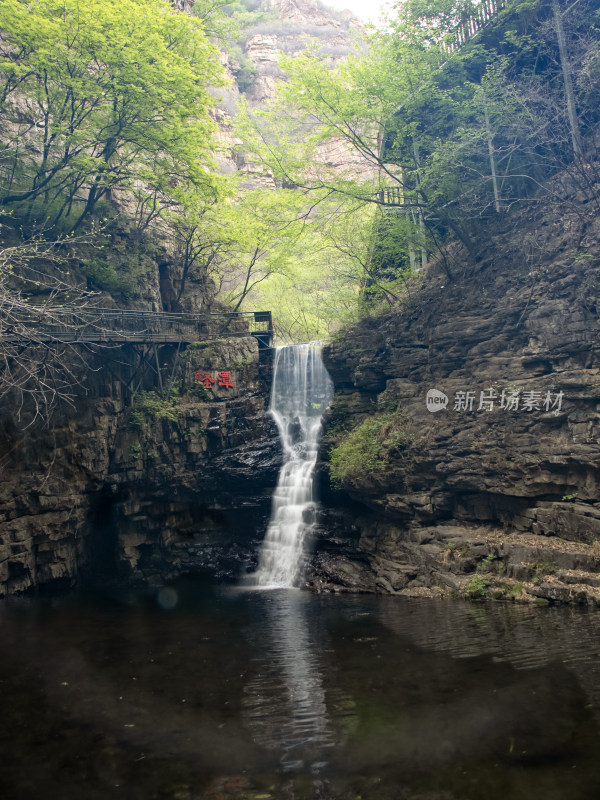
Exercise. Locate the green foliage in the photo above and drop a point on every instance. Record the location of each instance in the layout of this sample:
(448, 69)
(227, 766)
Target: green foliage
(137, 419)
(452, 135)
(118, 265)
(486, 563)
(107, 94)
(368, 448)
(104, 274)
(505, 591)
(326, 258)
(246, 72)
(246, 75)
(357, 454)
(259, 231)
(135, 451)
(477, 587)
(199, 391)
(265, 250)
(151, 406)
(385, 402)
(227, 21)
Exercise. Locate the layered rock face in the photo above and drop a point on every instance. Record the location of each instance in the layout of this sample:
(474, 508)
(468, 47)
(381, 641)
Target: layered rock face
(143, 489)
(497, 492)
(300, 23)
(137, 479)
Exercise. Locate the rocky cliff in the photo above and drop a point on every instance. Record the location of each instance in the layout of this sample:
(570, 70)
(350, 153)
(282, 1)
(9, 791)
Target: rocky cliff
(282, 27)
(494, 491)
(142, 488)
(296, 24)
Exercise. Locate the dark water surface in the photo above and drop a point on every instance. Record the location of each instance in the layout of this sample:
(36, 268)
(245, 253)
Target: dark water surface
(282, 694)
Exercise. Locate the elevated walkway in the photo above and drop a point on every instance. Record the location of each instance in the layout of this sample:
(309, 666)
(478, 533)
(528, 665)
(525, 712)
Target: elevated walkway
(111, 325)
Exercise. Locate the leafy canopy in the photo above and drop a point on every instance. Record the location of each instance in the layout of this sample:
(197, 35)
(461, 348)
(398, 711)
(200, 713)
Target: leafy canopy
(100, 94)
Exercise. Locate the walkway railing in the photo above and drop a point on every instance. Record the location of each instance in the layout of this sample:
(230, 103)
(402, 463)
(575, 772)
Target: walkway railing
(483, 13)
(74, 325)
(391, 196)
(468, 27)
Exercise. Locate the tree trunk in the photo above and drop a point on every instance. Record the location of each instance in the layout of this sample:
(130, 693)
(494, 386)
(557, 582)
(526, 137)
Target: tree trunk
(490, 142)
(568, 81)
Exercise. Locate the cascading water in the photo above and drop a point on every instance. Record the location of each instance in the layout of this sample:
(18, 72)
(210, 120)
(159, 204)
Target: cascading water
(302, 390)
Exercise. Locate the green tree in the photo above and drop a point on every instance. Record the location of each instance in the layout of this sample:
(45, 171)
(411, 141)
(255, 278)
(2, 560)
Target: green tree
(262, 227)
(98, 95)
(372, 109)
(238, 242)
(327, 263)
(439, 137)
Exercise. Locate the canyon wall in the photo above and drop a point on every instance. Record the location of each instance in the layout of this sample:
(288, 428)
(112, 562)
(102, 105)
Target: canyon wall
(495, 493)
(283, 27)
(142, 488)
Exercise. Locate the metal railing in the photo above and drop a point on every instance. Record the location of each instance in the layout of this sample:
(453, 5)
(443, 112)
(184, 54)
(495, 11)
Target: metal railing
(73, 325)
(457, 38)
(469, 26)
(390, 196)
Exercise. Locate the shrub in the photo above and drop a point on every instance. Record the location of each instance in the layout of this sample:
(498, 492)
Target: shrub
(199, 391)
(486, 563)
(136, 419)
(152, 405)
(135, 450)
(477, 587)
(120, 274)
(368, 448)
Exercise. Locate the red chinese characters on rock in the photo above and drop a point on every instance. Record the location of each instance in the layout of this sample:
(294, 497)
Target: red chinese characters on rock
(224, 379)
(206, 379)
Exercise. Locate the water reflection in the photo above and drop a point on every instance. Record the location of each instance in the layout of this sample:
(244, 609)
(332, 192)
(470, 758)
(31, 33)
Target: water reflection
(285, 704)
(291, 696)
(523, 636)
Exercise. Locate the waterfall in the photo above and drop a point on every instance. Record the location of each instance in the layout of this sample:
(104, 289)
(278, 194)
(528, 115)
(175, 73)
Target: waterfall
(302, 390)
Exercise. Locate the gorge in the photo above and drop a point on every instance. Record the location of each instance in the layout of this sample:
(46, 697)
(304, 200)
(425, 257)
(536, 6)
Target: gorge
(326, 524)
(469, 502)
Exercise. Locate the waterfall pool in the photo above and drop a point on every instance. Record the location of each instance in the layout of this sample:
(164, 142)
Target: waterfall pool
(203, 692)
